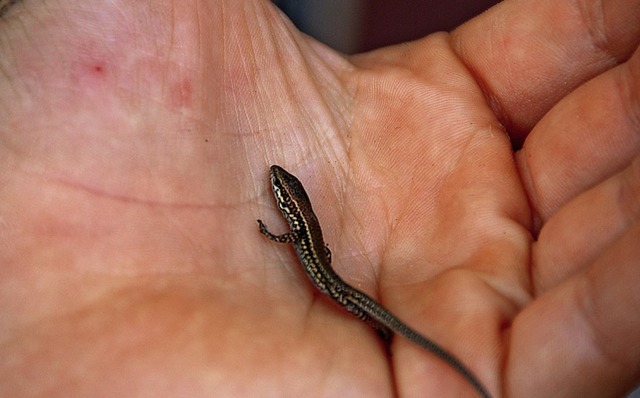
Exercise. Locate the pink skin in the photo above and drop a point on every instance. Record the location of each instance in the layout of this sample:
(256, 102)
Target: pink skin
(135, 142)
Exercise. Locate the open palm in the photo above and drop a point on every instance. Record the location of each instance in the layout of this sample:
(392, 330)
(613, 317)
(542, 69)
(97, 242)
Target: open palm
(136, 140)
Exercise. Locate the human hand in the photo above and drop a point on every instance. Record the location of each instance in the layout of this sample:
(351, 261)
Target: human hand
(136, 144)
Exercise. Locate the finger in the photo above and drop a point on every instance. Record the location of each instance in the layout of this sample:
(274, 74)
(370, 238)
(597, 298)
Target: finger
(590, 135)
(585, 227)
(527, 64)
(581, 339)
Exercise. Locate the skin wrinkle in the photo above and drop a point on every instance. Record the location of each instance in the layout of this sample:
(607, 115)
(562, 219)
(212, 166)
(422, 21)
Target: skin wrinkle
(591, 320)
(631, 191)
(632, 103)
(6, 6)
(594, 22)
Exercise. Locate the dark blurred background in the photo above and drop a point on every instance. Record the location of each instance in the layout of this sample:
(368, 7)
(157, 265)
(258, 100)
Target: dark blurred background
(353, 26)
(358, 25)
